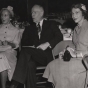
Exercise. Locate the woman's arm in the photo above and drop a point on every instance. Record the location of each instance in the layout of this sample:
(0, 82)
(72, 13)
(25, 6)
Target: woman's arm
(16, 41)
(74, 53)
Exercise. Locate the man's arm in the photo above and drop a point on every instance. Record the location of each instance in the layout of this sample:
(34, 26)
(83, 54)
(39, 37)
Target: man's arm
(57, 35)
(25, 37)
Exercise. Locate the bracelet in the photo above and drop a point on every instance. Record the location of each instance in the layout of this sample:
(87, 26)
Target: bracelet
(81, 55)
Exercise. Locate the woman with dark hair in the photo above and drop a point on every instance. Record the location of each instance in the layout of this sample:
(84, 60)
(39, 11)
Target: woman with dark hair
(9, 41)
(67, 29)
(72, 73)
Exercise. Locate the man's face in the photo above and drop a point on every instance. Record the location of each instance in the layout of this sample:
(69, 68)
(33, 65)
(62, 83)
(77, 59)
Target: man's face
(37, 14)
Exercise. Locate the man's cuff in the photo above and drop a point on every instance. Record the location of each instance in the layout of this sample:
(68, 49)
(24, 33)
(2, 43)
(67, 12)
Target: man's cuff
(49, 45)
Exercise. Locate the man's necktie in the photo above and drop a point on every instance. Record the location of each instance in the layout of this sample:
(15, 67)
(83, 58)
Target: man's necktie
(39, 30)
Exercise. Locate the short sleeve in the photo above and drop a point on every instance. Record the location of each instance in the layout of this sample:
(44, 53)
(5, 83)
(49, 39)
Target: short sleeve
(17, 39)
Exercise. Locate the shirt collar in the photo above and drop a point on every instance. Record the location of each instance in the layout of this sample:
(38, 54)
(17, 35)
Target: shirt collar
(41, 22)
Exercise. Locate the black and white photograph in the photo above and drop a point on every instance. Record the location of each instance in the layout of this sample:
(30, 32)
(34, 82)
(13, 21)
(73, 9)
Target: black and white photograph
(43, 43)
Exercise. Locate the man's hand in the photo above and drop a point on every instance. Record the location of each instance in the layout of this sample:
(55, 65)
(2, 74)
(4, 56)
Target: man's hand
(43, 46)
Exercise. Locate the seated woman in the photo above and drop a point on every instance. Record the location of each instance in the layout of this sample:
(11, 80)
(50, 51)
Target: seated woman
(72, 74)
(9, 41)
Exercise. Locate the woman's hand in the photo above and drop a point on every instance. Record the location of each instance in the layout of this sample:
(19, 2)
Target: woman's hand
(5, 43)
(61, 54)
(11, 44)
(72, 51)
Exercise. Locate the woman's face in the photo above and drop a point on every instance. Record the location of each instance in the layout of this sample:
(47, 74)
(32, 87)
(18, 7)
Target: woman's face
(5, 17)
(77, 15)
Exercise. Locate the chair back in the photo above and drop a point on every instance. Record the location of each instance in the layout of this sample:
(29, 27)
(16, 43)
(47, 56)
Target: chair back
(85, 61)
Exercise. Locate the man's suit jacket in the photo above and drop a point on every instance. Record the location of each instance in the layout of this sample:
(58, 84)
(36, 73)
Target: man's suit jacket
(50, 33)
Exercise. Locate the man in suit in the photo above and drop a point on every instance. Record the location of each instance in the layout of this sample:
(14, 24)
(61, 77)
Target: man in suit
(37, 43)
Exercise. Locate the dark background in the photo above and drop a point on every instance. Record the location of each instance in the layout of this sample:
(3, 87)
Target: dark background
(22, 8)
